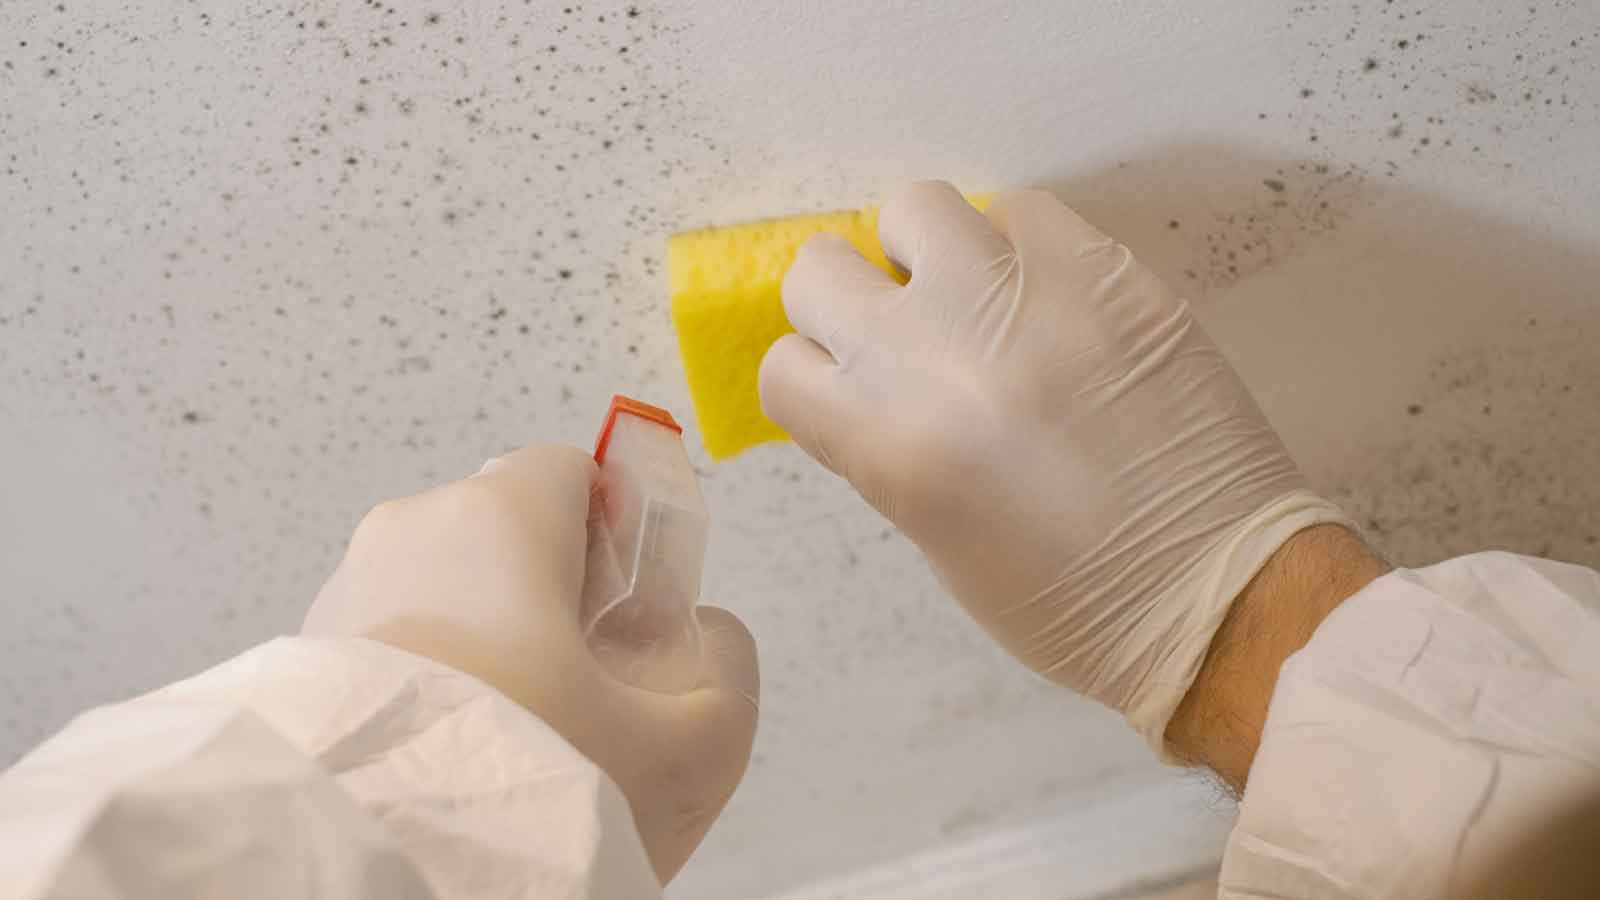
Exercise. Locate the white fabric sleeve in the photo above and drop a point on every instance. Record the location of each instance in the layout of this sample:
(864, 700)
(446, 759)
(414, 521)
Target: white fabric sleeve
(1433, 717)
(312, 768)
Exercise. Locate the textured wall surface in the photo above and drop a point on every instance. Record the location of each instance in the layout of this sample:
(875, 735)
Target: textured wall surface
(263, 264)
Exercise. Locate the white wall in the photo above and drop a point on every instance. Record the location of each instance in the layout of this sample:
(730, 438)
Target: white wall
(263, 264)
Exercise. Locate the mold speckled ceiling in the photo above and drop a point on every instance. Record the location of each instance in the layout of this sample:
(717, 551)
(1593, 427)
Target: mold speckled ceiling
(264, 264)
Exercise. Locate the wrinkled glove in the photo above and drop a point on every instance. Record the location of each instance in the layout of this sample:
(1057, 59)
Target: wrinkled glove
(1051, 426)
(485, 575)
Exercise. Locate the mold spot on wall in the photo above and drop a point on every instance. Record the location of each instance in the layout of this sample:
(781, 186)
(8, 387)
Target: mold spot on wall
(1498, 451)
(1292, 206)
(1397, 70)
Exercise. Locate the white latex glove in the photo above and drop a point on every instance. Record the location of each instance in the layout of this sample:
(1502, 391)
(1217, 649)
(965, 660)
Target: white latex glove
(1049, 423)
(485, 575)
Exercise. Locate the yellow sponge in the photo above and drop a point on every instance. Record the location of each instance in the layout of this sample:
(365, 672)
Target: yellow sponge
(727, 307)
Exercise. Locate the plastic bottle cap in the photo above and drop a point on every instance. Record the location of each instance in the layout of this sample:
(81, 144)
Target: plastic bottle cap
(621, 404)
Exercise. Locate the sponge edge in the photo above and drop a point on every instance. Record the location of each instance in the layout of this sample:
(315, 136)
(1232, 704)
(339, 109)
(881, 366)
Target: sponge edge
(727, 307)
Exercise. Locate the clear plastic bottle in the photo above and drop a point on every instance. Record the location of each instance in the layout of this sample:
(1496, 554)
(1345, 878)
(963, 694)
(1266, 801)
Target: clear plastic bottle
(647, 543)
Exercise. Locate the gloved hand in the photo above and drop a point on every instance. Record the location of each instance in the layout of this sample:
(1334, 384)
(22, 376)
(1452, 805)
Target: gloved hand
(1049, 423)
(485, 575)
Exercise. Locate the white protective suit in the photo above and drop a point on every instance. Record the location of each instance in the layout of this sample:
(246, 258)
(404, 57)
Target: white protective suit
(1430, 715)
(1435, 717)
(316, 768)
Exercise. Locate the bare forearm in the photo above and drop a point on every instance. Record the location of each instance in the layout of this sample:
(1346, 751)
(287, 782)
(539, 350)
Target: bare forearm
(1219, 723)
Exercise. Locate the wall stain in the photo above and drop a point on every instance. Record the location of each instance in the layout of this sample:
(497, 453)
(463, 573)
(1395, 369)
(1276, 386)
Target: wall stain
(1498, 452)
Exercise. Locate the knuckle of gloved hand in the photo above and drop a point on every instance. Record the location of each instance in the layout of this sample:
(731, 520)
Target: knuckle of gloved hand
(780, 382)
(920, 197)
(818, 247)
(569, 462)
(1023, 201)
(479, 506)
(380, 523)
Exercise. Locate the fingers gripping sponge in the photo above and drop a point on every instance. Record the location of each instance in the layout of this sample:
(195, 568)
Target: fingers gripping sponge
(727, 307)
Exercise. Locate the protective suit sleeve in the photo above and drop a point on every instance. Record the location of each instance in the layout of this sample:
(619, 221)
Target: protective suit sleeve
(316, 767)
(1434, 717)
